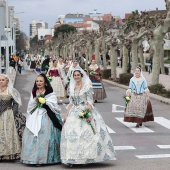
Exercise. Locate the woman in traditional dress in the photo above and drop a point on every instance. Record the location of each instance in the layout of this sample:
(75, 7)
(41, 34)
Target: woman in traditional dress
(84, 141)
(45, 65)
(60, 63)
(12, 122)
(50, 62)
(139, 108)
(56, 82)
(95, 77)
(28, 60)
(65, 79)
(33, 63)
(38, 65)
(41, 138)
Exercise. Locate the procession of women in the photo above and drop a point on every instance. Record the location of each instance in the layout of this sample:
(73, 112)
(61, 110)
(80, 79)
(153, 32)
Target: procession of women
(81, 136)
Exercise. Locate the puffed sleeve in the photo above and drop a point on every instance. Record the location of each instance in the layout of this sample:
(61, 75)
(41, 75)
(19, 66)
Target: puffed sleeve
(145, 85)
(129, 91)
(89, 94)
(15, 107)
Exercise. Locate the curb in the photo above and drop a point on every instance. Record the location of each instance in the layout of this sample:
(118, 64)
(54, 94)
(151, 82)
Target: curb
(152, 96)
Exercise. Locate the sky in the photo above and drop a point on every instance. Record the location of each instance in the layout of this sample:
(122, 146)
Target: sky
(49, 10)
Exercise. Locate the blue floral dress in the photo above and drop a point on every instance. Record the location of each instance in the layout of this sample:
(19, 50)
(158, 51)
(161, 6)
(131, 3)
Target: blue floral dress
(79, 143)
(44, 148)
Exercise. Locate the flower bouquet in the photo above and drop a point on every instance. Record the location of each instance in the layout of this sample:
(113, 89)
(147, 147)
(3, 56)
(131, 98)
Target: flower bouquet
(127, 99)
(85, 115)
(49, 78)
(40, 102)
(68, 78)
(46, 67)
(92, 73)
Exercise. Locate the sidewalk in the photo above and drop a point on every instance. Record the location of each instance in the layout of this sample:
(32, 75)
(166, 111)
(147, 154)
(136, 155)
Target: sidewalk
(164, 79)
(12, 76)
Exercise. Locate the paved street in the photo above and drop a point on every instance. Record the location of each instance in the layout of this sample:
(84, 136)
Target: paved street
(146, 148)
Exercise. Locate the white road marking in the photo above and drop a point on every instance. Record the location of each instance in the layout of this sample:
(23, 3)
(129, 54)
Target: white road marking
(119, 148)
(115, 108)
(164, 146)
(162, 121)
(153, 156)
(141, 129)
(110, 130)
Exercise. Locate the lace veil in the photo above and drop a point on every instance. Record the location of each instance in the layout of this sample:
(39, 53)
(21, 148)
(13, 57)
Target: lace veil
(85, 79)
(12, 91)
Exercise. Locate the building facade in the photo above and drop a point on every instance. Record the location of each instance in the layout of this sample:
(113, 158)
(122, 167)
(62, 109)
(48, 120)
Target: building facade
(35, 25)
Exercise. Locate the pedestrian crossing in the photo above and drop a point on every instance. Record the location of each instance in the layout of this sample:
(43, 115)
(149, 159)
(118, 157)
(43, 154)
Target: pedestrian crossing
(133, 150)
(153, 156)
(163, 122)
(142, 129)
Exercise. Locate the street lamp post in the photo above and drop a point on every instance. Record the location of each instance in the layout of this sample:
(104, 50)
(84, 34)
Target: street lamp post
(7, 41)
(2, 25)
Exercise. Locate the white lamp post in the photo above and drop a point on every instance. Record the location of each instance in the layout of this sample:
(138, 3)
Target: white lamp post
(2, 26)
(7, 41)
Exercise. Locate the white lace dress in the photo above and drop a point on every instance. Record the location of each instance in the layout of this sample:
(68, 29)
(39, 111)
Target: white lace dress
(79, 144)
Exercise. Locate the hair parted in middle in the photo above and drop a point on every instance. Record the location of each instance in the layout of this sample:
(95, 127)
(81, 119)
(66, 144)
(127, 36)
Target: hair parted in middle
(79, 72)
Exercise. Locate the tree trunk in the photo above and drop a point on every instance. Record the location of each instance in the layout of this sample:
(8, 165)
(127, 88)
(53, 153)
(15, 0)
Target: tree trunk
(66, 52)
(162, 62)
(70, 51)
(90, 53)
(156, 62)
(134, 55)
(113, 58)
(87, 57)
(104, 52)
(140, 52)
(73, 51)
(97, 53)
(125, 59)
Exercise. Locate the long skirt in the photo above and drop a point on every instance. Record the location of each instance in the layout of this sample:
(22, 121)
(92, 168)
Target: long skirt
(11, 129)
(58, 87)
(99, 91)
(33, 65)
(139, 109)
(82, 143)
(44, 149)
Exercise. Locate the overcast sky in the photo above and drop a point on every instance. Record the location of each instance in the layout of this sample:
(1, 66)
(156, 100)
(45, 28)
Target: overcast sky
(48, 10)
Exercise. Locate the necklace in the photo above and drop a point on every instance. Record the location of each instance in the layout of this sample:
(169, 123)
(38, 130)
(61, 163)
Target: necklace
(41, 92)
(3, 90)
(79, 85)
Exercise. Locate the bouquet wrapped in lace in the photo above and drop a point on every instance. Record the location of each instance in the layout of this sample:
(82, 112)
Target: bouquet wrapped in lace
(85, 115)
(40, 102)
